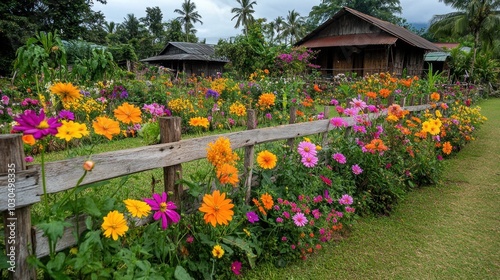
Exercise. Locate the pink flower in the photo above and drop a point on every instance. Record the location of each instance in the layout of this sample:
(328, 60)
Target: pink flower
(346, 200)
(358, 103)
(28, 159)
(165, 210)
(279, 220)
(306, 148)
(349, 209)
(189, 239)
(236, 267)
(284, 239)
(339, 157)
(356, 169)
(338, 122)
(309, 161)
(326, 180)
(252, 217)
(37, 125)
(299, 219)
(286, 215)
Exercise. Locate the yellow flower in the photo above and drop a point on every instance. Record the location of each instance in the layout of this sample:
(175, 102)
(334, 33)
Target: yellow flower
(438, 114)
(127, 113)
(106, 127)
(114, 225)
(267, 200)
(266, 100)
(266, 160)
(199, 121)
(69, 130)
(217, 208)
(73, 250)
(217, 251)
(66, 91)
(137, 208)
(220, 152)
(247, 232)
(238, 109)
(228, 174)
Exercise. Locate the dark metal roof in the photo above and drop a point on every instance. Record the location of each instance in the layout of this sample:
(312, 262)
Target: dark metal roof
(351, 40)
(397, 31)
(192, 51)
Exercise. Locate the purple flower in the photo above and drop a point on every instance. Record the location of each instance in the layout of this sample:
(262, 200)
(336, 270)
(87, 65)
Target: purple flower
(236, 267)
(164, 209)
(286, 215)
(28, 159)
(252, 217)
(356, 169)
(309, 161)
(299, 219)
(359, 128)
(269, 116)
(340, 158)
(212, 93)
(66, 115)
(372, 108)
(345, 200)
(279, 220)
(37, 125)
(349, 209)
(306, 148)
(338, 122)
(5, 100)
(334, 102)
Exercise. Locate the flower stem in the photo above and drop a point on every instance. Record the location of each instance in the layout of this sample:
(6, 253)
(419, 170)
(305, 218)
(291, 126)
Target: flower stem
(44, 181)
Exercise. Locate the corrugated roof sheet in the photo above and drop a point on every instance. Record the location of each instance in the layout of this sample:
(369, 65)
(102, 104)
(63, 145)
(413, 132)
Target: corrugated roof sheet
(351, 40)
(193, 51)
(397, 31)
(182, 56)
(436, 56)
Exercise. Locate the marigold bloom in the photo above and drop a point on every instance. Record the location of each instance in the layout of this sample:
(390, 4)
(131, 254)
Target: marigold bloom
(217, 251)
(217, 208)
(447, 148)
(66, 91)
(128, 114)
(266, 100)
(238, 109)
(227, 174)
(384, 92)
(106, 127)
(114, 225)
(267, 200)
(435, 96)
(220, 152)
(199, 121)
(266, 160)
(371, 94)
(29, 139)
(165, 210)
(137, 208)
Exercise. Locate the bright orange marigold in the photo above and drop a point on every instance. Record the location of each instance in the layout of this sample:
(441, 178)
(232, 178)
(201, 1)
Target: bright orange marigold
(217, 209)
(435, 96)
(447, 148)
(228, 174)
(267, 200)
(220, 152)
(266, 160)
(384, 92)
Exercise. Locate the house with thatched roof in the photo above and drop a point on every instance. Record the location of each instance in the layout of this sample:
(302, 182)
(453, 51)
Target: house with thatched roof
(353, 42)
(190, 58)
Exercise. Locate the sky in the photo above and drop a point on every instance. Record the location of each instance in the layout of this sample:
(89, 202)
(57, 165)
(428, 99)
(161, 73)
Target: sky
(216, 14)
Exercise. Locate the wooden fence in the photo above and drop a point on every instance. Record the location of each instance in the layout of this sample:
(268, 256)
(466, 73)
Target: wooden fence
(22, 184)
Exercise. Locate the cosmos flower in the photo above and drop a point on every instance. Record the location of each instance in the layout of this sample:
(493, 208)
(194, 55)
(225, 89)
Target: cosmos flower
(217, 208)
(37, 125)
(127, 113)
(228, 174)
(165, 210)
(106, 127)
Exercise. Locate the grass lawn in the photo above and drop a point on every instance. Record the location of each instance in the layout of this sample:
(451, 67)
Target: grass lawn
(447, 231)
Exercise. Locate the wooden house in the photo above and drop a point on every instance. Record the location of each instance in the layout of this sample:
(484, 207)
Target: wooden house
(351, 41)
(190, 58)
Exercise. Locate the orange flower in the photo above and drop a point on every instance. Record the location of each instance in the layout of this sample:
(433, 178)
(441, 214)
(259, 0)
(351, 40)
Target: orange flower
(220, 152)
(371, 94)
(447, 148)
(261, 209)
(266, 100)
(106, 127)
(435, 96)
(127, 113)
(228, 174)
(266, 160)
(66, 91)
(316, 88)
(406, 83)
(384, 92)
(217, 209)
(376, 145)
(267, 200)
(29, 139)
(199, 121)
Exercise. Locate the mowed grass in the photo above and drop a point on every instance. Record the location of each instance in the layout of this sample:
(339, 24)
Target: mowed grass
(447, 231)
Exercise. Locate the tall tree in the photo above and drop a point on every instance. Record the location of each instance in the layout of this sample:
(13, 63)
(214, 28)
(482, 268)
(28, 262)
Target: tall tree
(382, 9)
(188, 16)
(244, 14)
(279, 22)
(479, 18)
(153, 21)
(293, 27)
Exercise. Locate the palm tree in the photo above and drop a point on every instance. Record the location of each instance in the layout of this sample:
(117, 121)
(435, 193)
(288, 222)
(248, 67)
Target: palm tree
(269, 30)
(278, 23)
(293, 27)
(244, 13)
(479, 18)
(110, 27)
(188, 16)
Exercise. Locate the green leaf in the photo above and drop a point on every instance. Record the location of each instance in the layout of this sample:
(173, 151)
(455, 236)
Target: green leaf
(53, 229)
(181, 274)
(90, 207)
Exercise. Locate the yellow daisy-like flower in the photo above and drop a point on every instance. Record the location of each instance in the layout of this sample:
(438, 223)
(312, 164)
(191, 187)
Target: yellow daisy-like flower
(114, 225)
(267, 200)
(137, 208)
(434, 130)
(220, 152)
(106, 127)
(217, 251)
(266, 100)
(199, 121)
(438, 114)
(266, 160)
(66, 91)
(128, 114)
(70, 129)
(238, 109)
(228, 174)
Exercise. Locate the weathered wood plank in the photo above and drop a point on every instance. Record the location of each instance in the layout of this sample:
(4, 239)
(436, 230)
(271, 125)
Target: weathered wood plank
(27, 189)
(41, 242)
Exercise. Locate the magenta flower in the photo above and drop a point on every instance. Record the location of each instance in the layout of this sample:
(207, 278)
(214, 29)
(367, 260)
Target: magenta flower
(349, 209)
(189, 239)
(37, 125)
(252, 217)
(339, 157)
(66, 115)
(326, 180)
(359, 128)
(356, 169)
(306, 148)
(299, 219)
(358, 103)
(345, 200)
(164, 209)
(5, 100)
(309, 161)
(338, 122)
(236, 267)
(28, 159)
(279, 220)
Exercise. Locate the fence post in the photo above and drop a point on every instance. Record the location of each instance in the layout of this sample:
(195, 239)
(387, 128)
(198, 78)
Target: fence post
(248, 161)
(293, 119)
(17, 221)
(170, 131)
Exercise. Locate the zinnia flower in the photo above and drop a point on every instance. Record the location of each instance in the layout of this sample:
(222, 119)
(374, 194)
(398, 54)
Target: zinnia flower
(137, 208)
(309, 161)
(164, 209)
(66, 91)
(227, 174)
(252, 217)
(266, 160)
(356, 169)
(299, 219)
(236, 267)
(345, 200)
(306, 148)
(217, 251)
(106, 127)
(340, 158)
(217, 208)
(447, 148)
(267, 200)
(37, 125)
(220, 152)
(114, 225)
(66, 115)
(127, 113)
